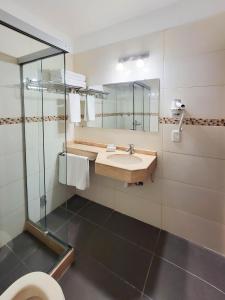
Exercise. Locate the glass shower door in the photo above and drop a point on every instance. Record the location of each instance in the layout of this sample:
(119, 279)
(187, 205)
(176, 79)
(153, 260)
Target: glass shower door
(45, 138)
(54, 114)
(34, 142)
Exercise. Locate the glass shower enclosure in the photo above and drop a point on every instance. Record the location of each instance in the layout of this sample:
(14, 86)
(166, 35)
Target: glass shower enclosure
(33, 133)
(45, 136)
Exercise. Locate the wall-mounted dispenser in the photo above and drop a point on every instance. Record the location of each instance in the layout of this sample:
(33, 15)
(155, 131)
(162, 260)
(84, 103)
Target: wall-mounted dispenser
(177, 110)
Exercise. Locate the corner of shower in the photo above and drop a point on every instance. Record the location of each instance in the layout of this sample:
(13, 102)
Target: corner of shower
(32, 211)
(44, 132)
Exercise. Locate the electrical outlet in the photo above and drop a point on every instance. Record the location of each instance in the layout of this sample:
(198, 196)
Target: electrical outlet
(176, 136)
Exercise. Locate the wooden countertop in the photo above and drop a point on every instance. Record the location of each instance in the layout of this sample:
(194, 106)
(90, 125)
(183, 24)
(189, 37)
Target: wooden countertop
(132, 172)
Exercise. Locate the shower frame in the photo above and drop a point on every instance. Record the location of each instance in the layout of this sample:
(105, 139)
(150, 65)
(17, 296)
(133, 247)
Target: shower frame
(57, 47)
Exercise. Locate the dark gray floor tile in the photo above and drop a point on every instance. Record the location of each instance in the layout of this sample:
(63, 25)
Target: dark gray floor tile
(136, 231)
(200, 261)
(12, 276)
(8, 261)
(96, 213)
(57, 218)
(145, 297)
(24, 245)
(41, 260)
(77, 232)
(89, 280)
(75, 203)
(123, 258)
(168, 282)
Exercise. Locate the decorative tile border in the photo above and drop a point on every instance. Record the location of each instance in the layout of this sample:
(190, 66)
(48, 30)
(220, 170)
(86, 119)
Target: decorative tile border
(11, 121)
(194, 121)
(104, 115)
(46, 118)
(162, 120)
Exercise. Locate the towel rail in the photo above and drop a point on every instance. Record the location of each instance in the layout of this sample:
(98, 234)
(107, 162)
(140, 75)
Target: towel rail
(57, 87)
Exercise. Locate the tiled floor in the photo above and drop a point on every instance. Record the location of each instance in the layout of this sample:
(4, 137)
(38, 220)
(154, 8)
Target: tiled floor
(23, 255)
(122, 258)
(117, 258)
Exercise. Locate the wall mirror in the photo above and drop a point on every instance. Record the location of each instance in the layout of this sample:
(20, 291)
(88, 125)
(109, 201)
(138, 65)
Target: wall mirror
(128, 105)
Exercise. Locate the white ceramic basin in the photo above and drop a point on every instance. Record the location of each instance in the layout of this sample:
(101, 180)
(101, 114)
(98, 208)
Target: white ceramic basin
(126, 159)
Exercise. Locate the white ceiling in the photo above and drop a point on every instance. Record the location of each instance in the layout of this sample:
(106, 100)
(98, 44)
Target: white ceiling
(88, 24)
(79, 17)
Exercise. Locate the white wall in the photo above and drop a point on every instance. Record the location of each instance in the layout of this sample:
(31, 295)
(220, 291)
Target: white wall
(12, 192)
(188, 195)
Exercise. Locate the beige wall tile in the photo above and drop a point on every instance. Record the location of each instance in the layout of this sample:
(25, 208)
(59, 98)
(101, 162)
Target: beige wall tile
(205, 203)
(12, 225)
(201, 102)
(151, 191)
(11, 168)
(12, 197)
(196, 38)
(121, 137)
(100, 194)
(199, 70)
(11, 74)
(139, 208)
(10, 101)
(14, 141)
(55, 197)
(208, 141)
(195, 170)
(196, 229)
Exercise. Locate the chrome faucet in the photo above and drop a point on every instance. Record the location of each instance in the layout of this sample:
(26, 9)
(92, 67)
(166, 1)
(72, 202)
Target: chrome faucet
(131, 149)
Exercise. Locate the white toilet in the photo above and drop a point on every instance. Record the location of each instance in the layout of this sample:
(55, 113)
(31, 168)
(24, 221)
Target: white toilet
(34, 286)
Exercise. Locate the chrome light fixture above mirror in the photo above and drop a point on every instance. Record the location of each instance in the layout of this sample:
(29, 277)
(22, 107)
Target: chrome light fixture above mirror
(139, 58)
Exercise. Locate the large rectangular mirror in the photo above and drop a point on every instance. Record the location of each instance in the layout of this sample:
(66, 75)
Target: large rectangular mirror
(129, 105)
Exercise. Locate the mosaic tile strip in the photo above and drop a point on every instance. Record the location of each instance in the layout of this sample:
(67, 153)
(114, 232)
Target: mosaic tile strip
(194, 121)
(128, 114)
(163, 120)
(45, 118)
(99, 115)
(11, 121)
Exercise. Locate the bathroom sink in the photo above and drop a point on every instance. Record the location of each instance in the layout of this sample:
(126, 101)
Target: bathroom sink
(124, 159)
(130, 168)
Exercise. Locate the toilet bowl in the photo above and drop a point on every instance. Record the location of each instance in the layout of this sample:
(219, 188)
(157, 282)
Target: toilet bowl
(34, 286)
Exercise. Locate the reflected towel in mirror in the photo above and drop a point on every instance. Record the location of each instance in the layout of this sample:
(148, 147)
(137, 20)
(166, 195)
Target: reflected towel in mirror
(90, 108)
(74, 108)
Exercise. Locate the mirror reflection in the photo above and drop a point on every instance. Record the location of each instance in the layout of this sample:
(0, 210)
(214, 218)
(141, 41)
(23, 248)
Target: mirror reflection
(128, 105)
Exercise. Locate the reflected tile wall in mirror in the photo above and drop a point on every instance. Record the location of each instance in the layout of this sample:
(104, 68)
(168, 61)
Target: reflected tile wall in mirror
(128, 105)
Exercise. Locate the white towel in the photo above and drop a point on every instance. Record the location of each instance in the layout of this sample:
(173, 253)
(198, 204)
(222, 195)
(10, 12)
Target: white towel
(74, 171)
(78, 171)
(98, 88)
(74, 108)
(76, 83)
(58, 75)
(91, 108)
